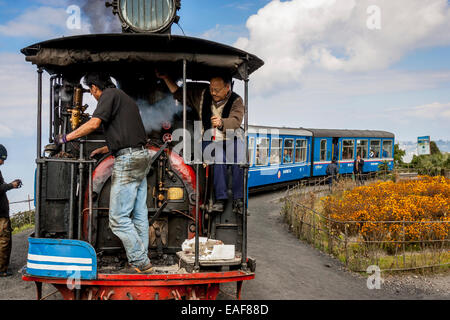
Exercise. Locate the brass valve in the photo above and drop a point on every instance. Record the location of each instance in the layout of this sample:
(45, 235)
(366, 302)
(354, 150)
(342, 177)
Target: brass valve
(78, 109)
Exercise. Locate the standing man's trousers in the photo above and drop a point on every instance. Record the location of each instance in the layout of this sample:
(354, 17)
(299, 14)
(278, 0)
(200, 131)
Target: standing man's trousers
(5, 243)
(226, 153)
(128, 213)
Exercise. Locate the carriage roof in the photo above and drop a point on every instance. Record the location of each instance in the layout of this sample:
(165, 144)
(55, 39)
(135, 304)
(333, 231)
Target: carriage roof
(351, 133)
(124, 52)
(265, 130)
(326, 133)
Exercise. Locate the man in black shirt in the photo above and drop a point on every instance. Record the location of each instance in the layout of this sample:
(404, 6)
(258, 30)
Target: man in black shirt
(358, 166)
(332, 173)
(125, 139)
(5, 222)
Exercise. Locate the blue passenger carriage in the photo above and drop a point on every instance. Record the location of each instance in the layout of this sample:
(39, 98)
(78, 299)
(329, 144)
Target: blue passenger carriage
(373, 146)
(278, 155)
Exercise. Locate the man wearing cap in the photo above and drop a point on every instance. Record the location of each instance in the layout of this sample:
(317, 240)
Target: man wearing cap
(5, 222)
(126, 139)
(332, 172)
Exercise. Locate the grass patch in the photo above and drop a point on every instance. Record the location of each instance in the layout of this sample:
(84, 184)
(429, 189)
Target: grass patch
(22, 221)
(23, 228)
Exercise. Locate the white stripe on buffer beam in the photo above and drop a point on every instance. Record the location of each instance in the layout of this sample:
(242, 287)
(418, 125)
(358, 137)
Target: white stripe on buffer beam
(58, 267)
(36, 257)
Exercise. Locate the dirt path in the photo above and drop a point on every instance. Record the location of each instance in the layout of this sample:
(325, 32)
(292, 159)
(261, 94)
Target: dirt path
(287, 269)
(14, 288)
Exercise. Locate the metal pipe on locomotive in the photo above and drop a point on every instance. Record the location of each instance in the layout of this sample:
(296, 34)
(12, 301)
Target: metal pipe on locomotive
(72, 247)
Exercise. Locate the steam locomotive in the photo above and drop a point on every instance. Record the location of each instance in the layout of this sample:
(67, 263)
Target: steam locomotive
(72, 246)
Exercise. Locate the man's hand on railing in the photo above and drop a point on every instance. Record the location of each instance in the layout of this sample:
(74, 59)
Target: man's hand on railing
(60, 139)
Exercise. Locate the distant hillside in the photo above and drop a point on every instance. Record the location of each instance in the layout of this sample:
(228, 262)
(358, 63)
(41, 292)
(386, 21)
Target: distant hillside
(444, 146)
(410, 148)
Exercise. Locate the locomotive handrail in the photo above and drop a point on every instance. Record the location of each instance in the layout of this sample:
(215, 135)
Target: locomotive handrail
(66, 160)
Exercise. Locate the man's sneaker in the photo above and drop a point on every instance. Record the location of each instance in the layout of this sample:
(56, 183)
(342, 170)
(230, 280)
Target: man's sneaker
(218, 206)
(239, 206)
(5, 274)
(129, 269)
(147, 269)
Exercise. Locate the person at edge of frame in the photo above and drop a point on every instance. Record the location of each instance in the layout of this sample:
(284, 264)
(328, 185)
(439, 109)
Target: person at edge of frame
(126, 139)
(358, 165)
(5, 221)
(332, 173)
(222, 110)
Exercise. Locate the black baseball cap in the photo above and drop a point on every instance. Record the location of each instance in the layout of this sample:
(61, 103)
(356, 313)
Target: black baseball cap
(3, 152)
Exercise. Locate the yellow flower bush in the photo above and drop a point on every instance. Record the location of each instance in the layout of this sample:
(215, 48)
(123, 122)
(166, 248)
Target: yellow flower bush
(395, 212)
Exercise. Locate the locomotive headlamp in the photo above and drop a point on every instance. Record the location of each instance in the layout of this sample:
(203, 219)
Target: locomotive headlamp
(155, 16)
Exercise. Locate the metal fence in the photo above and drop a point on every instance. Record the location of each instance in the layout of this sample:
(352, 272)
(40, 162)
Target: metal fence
(23, 218)
(29, 201)
(357, 252)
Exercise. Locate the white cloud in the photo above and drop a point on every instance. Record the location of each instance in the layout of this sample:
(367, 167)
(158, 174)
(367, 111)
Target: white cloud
(42, 23)
(432, 111)
(5, 132)
(18, 92)
(293, 36)
(55, 3)
(224, 33)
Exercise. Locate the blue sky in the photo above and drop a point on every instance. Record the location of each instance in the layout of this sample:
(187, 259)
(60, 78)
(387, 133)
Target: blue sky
(329, 64)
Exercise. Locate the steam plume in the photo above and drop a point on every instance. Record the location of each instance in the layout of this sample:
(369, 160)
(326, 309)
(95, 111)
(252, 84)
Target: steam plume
(154, 115)
(100, 18)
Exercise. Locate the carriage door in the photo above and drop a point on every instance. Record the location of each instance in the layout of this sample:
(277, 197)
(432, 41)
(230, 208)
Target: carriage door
(335, 149)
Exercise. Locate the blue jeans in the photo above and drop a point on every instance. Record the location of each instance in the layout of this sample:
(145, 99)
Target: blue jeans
(128, 213)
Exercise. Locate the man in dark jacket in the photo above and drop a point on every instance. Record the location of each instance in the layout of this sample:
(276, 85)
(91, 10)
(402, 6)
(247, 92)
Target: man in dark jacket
(221, 112)
(358, 165)
(126, 139)
(332, 172)
(5, 222)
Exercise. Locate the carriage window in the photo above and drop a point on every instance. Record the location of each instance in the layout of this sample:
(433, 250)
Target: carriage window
(300, 150)
(288, 151)
(348, 147)
(374, 149)
(323, 150)
(262, 151)
(387, 149)
(275, 151)
(362, 148)
(251, 148)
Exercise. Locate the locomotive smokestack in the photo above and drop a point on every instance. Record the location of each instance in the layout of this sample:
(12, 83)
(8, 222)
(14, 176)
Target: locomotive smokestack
(146, 16)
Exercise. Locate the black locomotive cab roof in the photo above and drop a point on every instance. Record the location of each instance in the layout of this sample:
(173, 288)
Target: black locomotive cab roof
(124, 52)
